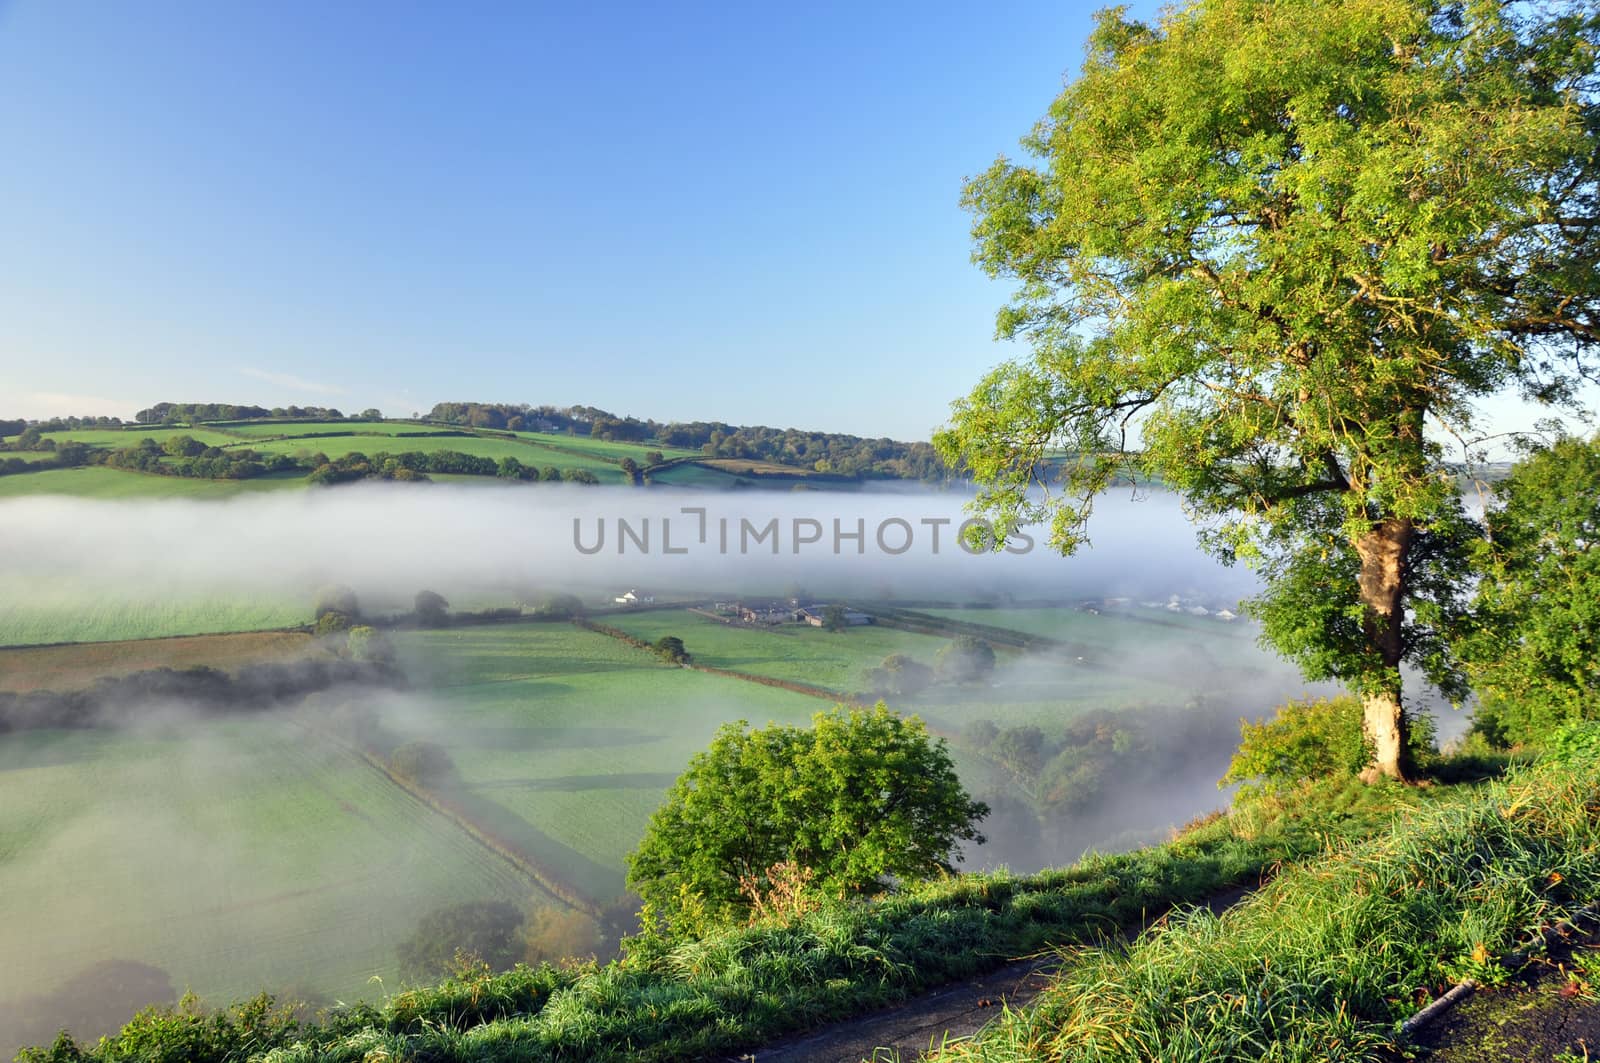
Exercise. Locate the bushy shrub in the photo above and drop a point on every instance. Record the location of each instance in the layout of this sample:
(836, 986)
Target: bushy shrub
(670, 649)
(1314, 738)
(424, 763)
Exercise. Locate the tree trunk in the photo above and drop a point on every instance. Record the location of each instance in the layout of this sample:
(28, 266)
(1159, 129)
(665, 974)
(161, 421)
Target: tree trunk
(1385, 724)
(1384, 582)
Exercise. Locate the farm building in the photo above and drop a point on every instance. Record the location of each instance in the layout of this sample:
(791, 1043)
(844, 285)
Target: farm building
(817, 616)
(770, 613)
(635, 597)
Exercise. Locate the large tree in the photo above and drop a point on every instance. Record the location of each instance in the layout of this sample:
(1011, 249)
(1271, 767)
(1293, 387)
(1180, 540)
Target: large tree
(1271, 252)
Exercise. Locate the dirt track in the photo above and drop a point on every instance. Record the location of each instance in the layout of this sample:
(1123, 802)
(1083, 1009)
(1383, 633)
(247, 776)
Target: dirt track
(906, 1031)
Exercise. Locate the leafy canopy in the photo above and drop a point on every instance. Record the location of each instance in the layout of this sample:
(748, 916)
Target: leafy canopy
(862, 798)
(1269, 253)
(1533, 651)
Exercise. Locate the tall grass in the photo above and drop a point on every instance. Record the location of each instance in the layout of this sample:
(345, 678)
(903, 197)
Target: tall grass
(1329, 958)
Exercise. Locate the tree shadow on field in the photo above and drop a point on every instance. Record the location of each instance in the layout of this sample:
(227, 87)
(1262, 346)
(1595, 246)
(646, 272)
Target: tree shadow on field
(93, 1003)
(50, 749)
(586, 876)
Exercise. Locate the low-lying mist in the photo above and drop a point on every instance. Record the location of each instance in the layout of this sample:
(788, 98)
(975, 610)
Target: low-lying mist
(388, 541)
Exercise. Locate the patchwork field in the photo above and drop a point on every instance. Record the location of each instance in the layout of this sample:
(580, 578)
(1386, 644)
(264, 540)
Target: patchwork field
(264, 852)
(32, 616)
(601, 448)
(231, 855)
(566, 739)
(126, 437)
(527, 453)
(77, 666)
(276, 429)
(835, 660)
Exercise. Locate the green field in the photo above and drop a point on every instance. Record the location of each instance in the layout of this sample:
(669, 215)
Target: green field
(695, 475)
(527, 453)
(794, 652)
(1117, 661)
(600, 448)
(1111, 629)
(233, 855)
(97, 481)
(274, 429)
(259, 852)
(34, 615)
(337, 438)
(568, 739)
(127, 437)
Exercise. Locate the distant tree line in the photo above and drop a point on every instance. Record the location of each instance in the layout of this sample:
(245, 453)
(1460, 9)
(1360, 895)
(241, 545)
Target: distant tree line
(186, 456)
(57, 424)
(416, 465)
(190, 412)
(844, 455)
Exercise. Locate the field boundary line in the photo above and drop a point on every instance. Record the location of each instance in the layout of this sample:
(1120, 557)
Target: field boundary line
(521, 862)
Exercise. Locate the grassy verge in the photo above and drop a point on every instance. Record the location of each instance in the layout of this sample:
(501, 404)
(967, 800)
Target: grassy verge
(1327, 960)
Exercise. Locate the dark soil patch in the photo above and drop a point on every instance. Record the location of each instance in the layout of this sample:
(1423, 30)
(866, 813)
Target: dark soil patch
(1550, 1010)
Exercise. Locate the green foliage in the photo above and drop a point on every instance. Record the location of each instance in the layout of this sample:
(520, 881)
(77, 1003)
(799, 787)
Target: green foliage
(670, 649)
(424, 763)
(1310, 739)
(331, 623)
(1271, 242)
(1533, 649)
(965, 660)
(900, 674)
(336, 599)
(558, 606)
(367, 644)
(431, 608)
(460, 937)
(863, 798)
(184, 1033)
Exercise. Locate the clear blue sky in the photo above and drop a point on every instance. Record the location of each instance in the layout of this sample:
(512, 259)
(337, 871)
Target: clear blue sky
(745, 212)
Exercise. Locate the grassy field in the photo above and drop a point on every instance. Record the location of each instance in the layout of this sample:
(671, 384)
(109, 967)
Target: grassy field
(694, 474)
(97, 481)
(1113, 629)
(795, 652)
(601, 448)
(77, 666)
(31, 615)
(233, 855)
(568, 739)
(274, 429)
(127, 437)
(527, 453)
(337, 438)
(1128, 661)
